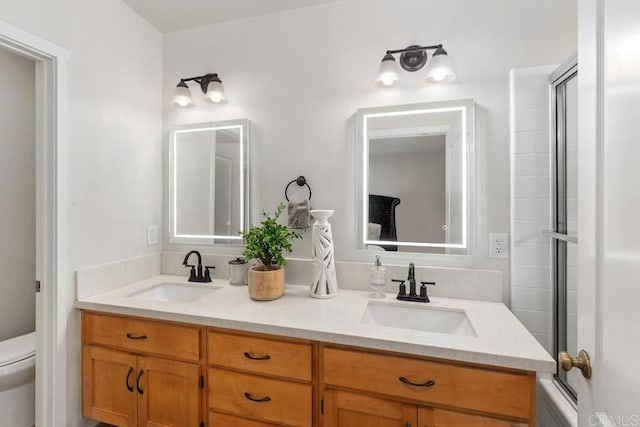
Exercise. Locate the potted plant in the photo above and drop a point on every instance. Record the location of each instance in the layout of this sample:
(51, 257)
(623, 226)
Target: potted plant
(266, 243)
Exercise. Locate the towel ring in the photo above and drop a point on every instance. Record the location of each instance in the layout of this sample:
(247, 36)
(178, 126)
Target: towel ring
(301, 181)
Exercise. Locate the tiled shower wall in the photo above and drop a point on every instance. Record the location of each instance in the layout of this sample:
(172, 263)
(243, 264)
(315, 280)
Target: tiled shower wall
(531, 283)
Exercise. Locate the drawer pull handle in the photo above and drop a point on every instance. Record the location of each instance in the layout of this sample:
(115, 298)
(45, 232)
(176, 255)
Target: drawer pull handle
(429, 383)
(253, 399)
(140, 390)
(126, 381)
(136, 337)
(249, 356)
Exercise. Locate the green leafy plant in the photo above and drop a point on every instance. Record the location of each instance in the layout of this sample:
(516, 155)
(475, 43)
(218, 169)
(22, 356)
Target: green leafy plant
(267, 241)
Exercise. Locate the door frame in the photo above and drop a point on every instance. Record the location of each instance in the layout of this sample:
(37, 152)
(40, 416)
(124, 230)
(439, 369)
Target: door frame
(51, 72)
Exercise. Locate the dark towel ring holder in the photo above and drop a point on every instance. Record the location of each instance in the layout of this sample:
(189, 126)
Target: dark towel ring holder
(301, 181)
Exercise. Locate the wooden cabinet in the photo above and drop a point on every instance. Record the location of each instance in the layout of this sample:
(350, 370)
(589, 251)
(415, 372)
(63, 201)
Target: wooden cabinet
(429, 417)
(350, 409)
(123, 386)
(438, 393)
(146, 373)
(108, 386)
(259, 380)
(168, 393)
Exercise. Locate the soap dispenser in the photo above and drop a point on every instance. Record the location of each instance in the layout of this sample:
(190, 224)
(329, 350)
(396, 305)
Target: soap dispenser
(378, 278)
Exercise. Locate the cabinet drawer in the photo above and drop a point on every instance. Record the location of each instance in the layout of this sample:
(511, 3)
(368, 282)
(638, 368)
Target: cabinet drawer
(471, 388)
(260, 355)
(142, 336)
(266, 399)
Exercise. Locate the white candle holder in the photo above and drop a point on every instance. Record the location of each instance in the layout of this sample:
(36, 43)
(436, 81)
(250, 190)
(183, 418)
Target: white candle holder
(324, 284)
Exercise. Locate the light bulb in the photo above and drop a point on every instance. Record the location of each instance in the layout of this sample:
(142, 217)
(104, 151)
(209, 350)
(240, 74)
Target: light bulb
(215, 92)
(182, 96)
(439, 68)
(388, 72)
(439, 75)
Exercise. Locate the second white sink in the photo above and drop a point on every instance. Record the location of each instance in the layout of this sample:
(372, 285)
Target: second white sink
(175, 292)
(422, 318)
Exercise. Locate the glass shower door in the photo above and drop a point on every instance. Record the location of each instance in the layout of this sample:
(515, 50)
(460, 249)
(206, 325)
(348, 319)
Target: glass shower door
(564, 236)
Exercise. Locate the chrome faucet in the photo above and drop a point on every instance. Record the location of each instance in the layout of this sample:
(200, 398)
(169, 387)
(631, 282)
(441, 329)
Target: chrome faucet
(197, 275)
(413, 296)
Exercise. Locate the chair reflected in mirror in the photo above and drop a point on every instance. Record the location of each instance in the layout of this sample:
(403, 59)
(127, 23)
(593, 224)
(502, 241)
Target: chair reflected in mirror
(382, 220)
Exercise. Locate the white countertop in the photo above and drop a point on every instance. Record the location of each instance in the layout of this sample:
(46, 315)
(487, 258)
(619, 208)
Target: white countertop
(501, 339)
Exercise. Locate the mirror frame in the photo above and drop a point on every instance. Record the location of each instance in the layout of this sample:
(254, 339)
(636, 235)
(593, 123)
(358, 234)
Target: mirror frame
(245, 179)
(467, 108)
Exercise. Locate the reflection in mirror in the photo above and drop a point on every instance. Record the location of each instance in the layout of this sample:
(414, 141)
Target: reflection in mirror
(208, 181)
(416, 168)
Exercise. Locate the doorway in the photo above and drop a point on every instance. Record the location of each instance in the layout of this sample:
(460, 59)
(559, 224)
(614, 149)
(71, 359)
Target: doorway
(51, 302)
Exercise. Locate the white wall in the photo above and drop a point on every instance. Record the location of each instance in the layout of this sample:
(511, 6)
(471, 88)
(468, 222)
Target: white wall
(114, 182)
(300, 76)
(18, 196)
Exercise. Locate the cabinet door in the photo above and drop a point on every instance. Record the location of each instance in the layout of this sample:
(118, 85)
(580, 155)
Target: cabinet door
(108, 393)
(168, 393)
(344, 409)
(428, 417)
(218, 419)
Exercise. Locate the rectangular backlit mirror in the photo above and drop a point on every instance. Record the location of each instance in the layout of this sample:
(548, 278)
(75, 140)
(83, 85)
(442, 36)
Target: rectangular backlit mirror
(209, 182)
(416, 166)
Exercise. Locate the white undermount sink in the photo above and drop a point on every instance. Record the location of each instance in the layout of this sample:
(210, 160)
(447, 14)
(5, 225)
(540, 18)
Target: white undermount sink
(175, 292)
(422, 318)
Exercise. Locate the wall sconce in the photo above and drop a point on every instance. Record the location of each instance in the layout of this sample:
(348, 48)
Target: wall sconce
(413, 58)
(210, 84)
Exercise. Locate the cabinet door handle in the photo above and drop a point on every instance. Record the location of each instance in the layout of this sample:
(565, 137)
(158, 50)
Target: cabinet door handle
(136, 337)
(126, 381)
(253, 399)
(249, 356)
(140, 390)
(429, 383)
(408, 423)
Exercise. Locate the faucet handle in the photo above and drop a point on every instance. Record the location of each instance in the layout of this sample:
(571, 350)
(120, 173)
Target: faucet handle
(207, 273)
(423, 290)
(403, 289)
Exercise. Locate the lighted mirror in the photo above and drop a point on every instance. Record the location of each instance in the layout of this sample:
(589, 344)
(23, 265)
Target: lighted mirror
(416, 166)
(209, 182)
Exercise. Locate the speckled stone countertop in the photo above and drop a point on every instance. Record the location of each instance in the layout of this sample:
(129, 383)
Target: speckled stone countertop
(501, 339)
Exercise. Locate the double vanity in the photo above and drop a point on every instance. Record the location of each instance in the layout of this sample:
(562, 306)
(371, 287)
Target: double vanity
(165, 352)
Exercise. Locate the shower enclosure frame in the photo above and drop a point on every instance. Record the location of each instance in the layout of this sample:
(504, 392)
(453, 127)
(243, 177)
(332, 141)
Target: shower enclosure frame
(559, 235)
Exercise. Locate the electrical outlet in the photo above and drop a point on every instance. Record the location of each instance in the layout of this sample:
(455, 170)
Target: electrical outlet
(499, 245)
(152, 235)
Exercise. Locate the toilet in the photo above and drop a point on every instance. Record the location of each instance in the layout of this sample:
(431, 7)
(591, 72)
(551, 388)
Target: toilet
(17, 381)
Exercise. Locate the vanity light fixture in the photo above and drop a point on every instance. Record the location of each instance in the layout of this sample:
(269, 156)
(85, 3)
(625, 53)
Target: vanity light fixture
(210, 84)
(413, 58)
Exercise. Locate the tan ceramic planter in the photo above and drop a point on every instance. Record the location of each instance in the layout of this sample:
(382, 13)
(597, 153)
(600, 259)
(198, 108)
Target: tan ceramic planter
(266, 285)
